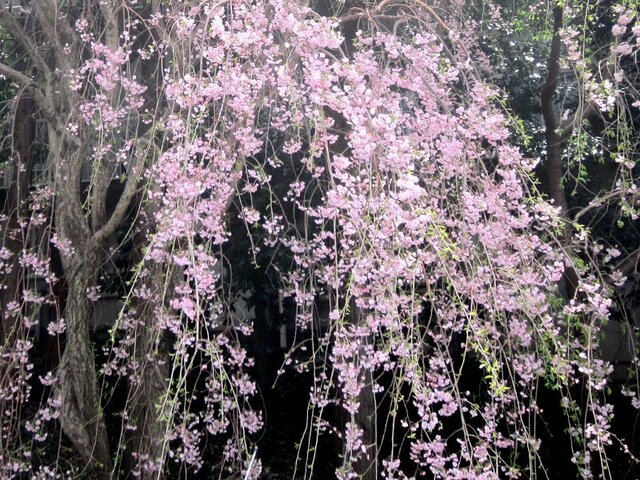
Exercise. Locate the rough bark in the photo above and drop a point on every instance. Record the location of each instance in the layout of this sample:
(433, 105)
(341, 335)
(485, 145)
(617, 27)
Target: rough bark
(55, 51)
(81, 413)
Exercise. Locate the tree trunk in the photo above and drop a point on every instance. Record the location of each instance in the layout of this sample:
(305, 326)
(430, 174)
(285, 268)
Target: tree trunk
(77, 390)
(81, 415)
(554, 162)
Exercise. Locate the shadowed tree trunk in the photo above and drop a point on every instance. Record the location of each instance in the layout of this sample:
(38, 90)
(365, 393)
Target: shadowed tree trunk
(23, 134)
(148, 391)
(80, 412)
(148, 415)
(82, 223)
(12, 277)
(365, 418)
(554, 163)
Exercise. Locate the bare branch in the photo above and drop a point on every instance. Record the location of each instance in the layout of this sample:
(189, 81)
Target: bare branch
(598, 202)
(352, 17)
(29, 84)
(432, 12)
(130, 189)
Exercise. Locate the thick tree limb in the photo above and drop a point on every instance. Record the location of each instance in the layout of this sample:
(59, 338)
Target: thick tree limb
(29, 84)
(583, 112)
(117, 216)
(16, 76)
(554, 164)
(107, 167)
(352, 17)
(24, 40)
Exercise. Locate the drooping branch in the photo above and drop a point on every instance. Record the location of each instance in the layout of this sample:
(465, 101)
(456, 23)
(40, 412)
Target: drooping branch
(598, 202)
(378, 13)
(237, 169)
(589, 107)
(22, 136)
